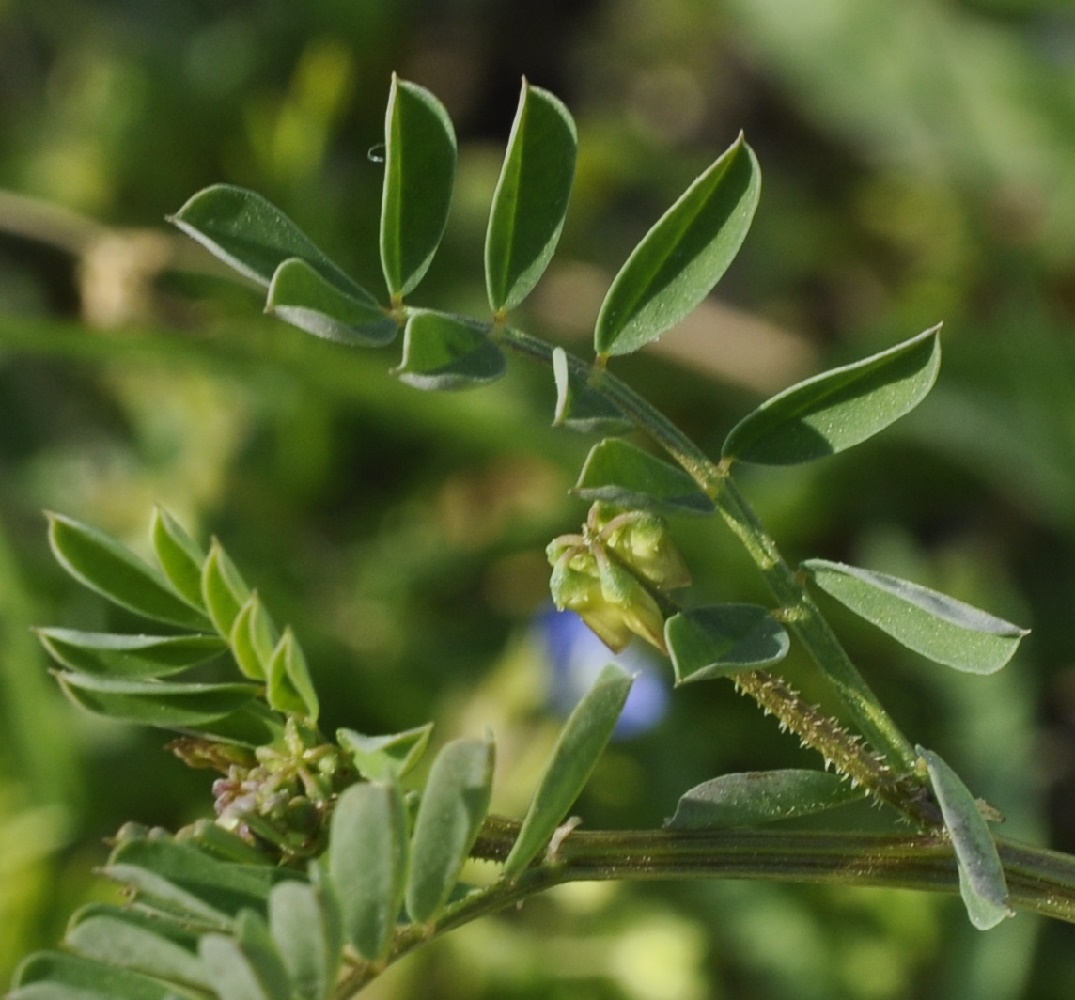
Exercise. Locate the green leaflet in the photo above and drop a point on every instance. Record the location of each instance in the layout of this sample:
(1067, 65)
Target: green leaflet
(134, 940)
(305, 922)
(246, 966)
(419, 173)
(736, 800)
(454, 805)
(385, 758)
(582, 741)
(223, 589)
(167, 704)
(291, 688)
(981, 874)
(102, 564)
(180, 557)
(939, 627)
(443, 352)
(253, 236)
(683, 256)
(184, 880)
(128, 656)
(839, 408)
(53, 975)
(252, 639)
(580, 407)
(721, 640)
(368, 864)
(625, 476)
(300, 295)
(530, 201)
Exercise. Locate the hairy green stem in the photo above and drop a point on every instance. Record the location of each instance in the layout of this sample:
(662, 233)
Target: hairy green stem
(1039, 881)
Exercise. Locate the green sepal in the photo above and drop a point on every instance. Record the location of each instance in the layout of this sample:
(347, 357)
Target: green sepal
(100, 563)
(531, 197)
(723, 639)
(443, 352)
(453, 807)
(753, 797)
(128, 656)
(368, 864)
(419, 173)
(180, 557)
(300, 295)
(54, 975)
(683, 256)
(579, 406)
(623, 475)
(305, 922)
(839, 408)
(981, 874)
(253, 236)
(130, 939)
(578, 748)
(290, 687)
(385, 758)
(939, 627)
(224, 591)
(246, 965)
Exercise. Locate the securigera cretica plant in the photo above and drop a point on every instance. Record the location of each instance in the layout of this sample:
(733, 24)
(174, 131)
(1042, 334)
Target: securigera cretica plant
(326, 859)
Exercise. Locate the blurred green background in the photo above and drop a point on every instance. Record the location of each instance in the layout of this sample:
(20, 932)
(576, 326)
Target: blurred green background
(919, 164)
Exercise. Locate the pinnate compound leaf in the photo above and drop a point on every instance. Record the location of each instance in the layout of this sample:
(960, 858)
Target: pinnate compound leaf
(443, 352)
(736, 800)
(530, 201)
(305, 922)
(247, 966)
(419, 173)
(291, 688)
(179, 555)
(253, 236)
(385, 758)
(368, 864)
(453, 807)
(113, 571)
(939, 627)
(625, 476)
(582, 741)
(579, 406)
(134, 940)
(300, 295)
(224, 591)
(723, 639)
(683, 256)
(840, 408)
(54, 975)
(981, 874)
(128, 656)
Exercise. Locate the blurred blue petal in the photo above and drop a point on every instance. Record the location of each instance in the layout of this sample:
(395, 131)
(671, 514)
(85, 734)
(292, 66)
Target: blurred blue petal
(576, 656)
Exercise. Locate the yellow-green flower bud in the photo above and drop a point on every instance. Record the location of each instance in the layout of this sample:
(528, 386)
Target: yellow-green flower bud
(642, 541)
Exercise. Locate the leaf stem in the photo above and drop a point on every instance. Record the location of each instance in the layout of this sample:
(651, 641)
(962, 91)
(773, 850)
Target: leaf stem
(797, 608)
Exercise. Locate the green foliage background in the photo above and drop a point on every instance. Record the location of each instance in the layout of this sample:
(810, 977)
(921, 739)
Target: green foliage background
(917, 168)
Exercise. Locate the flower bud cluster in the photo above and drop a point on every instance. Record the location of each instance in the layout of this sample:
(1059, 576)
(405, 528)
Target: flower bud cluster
(613, 573)
(278, 797)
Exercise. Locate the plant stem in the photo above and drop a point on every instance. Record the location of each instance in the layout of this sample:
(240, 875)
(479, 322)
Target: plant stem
(1039, 881)
(797, 608)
